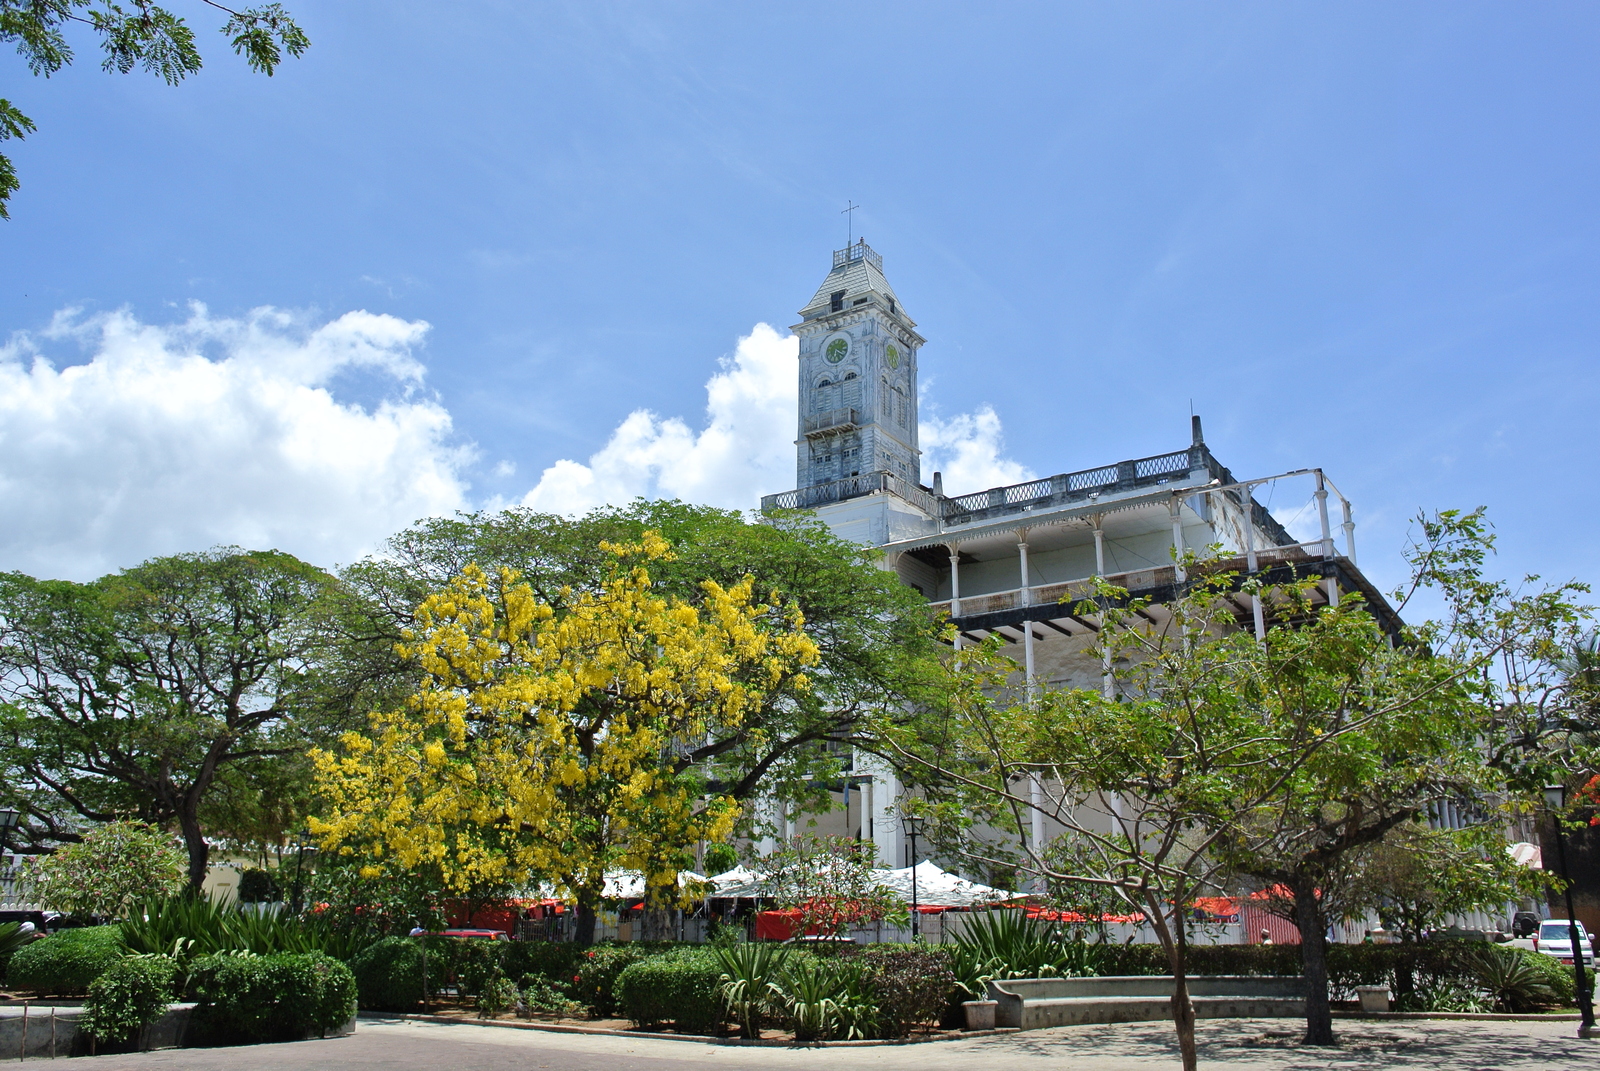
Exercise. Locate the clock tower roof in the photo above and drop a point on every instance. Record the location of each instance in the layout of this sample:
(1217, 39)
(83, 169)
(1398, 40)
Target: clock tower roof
(856, 282)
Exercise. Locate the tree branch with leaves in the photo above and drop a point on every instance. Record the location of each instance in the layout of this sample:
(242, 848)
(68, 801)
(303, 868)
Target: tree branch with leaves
(141, 34)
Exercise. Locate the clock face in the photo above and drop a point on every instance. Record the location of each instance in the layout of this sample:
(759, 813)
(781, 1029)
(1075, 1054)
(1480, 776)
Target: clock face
(836, 350)
(893, 353)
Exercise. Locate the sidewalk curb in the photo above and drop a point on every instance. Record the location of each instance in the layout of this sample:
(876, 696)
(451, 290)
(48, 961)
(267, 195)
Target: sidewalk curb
(560, 1028)
(1492, 1017)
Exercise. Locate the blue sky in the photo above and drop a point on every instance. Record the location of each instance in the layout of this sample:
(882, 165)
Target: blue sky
(1360, 236)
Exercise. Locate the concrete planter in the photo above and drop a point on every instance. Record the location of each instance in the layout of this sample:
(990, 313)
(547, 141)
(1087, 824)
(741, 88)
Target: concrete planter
(979, 1013)
(1374, 998)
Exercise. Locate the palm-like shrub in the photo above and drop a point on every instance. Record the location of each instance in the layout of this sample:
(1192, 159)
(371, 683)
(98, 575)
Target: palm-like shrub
(188, 926)
(752, 972)
(1008, 944)
(11, 939)
(828, 998)
(1512, 980)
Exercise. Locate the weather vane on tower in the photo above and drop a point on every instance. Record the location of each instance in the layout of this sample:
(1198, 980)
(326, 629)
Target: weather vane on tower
(850, 220)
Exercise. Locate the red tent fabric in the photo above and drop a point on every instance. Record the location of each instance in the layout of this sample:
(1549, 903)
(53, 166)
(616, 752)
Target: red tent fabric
(1076, 916)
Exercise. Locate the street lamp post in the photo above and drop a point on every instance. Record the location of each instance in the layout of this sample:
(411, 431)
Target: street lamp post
(911, 824)
(297, 901)
(1555, 797)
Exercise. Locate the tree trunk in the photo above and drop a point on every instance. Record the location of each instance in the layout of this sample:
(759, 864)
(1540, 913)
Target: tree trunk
(194, 840)
(584, 934)
(1314, 960)
(1182, 1006)
(1177, 948)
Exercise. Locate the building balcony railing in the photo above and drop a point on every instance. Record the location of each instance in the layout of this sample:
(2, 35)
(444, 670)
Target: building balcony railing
(1070, 592)
(1069, 488)
(832, 422)
(868, 483)
(859, 251)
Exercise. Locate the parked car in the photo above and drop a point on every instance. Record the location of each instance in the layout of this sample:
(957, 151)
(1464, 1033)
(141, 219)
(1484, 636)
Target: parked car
(482, 935)
(1554, 938)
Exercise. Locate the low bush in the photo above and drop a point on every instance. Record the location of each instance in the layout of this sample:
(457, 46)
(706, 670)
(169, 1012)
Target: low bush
(597, 976)
(257, 886)
(682, 987)
(910, 987)
(474, 962)
(389, 973)
(67, 962)
(132, 994)
(556, 961)
(540, 993)
(497, 996)
(279, 997)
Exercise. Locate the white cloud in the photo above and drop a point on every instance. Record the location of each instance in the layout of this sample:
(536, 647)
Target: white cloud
(214, 431)
(967, 449)
(153, 446)
(747, 447)
(745, 450)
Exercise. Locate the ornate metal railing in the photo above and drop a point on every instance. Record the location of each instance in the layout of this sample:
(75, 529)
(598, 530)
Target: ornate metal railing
(1065, 489)
(867, 483)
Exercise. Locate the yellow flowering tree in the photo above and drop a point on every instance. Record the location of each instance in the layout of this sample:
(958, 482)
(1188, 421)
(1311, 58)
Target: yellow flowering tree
(548, 744)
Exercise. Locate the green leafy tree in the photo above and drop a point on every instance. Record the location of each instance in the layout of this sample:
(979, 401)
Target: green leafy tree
(828, 882)
(113, 868)
(1418, 877)
(878, 650)
(131, 696)
(141, 34)
(1223, 753)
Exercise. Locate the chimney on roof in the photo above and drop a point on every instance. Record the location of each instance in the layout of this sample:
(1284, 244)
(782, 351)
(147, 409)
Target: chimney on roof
(1194, 426)
(938, 485)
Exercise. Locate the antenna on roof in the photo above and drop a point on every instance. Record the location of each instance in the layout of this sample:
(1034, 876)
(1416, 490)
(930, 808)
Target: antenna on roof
(850, 223)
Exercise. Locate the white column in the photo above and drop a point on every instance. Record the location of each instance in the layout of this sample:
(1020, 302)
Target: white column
(1175, 508)
(955, 587)
(1250, 556)
(1349, 532)
(1331, 581)
(1027, 625)
(1036, 797)
(1030, 684)
(1108, 684)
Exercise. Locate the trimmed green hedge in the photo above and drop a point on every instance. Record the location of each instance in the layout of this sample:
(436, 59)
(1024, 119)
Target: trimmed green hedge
(388, 973)
(598, 972)
(131, 995)
(67, 962)
(683, 988)
(279, 997)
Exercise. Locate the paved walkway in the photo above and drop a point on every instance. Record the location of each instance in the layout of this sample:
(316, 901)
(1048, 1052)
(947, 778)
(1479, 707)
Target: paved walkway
(1233, 1045)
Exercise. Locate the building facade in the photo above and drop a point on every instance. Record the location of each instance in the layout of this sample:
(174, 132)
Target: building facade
(1015, 561)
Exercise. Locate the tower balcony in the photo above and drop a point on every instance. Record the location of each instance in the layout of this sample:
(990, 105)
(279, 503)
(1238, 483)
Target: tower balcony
(859, 251)
(832, 422)
(868, 483)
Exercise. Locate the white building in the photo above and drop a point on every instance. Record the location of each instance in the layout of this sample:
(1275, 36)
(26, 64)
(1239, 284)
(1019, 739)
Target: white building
(1001, 560)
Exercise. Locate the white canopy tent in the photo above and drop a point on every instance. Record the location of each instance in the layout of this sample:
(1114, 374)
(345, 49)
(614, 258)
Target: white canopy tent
(936, 887)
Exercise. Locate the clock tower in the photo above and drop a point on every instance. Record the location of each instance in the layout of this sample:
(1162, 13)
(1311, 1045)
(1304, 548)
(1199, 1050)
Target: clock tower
(858, 378)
